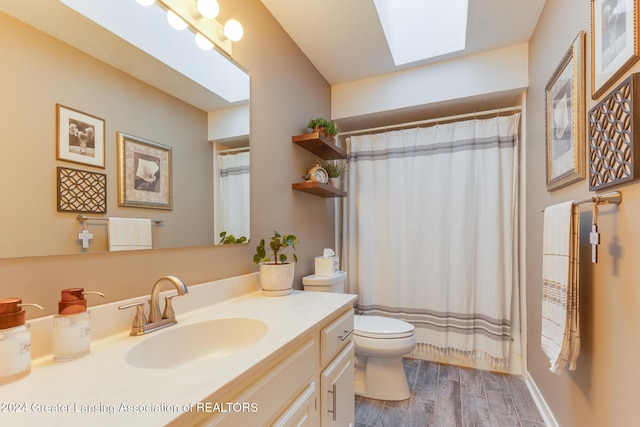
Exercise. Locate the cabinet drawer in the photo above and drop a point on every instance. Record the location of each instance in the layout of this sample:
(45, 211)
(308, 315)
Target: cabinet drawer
(335, 336)
(274, 390)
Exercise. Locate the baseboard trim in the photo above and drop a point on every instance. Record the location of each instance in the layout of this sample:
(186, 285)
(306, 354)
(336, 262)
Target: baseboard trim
(541, 404)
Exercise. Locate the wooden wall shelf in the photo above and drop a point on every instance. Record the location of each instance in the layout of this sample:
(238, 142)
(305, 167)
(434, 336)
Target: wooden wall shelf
(326, 149)
(318, 189)
(319, 145)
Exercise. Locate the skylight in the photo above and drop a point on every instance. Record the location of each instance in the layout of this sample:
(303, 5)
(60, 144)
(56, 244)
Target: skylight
(422, 29)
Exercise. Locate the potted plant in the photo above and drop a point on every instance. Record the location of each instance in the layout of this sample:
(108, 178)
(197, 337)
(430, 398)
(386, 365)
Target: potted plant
(334, 169)
(276, 277)
(231, 239)
(324, 126)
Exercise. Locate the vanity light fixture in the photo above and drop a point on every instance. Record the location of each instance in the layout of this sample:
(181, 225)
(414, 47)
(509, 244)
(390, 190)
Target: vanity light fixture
(203, 43)
(175, 21)
(146, 2)
(208, 8)
(233, 30)
(194, 15)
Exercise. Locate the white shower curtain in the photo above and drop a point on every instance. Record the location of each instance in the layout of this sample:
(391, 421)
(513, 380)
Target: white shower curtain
(233, 195)
(430, 232)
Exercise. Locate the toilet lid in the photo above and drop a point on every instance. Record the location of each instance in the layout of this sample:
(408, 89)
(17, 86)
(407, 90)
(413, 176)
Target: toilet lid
(381, 327)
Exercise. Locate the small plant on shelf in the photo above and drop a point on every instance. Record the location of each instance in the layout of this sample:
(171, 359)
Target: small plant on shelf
(323, 125)
(277, 244)
(334, 168)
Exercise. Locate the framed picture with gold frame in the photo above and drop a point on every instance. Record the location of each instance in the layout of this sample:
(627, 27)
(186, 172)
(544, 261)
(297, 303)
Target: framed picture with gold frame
(144, 173)
(614, 42)
(564, 111)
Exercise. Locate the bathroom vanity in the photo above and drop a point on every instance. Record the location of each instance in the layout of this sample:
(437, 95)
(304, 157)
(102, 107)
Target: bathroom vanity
(308, 383)
(280, 361)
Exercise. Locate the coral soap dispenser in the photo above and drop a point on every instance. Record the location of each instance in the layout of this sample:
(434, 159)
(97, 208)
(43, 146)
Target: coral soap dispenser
(15, 340)
(72, 326)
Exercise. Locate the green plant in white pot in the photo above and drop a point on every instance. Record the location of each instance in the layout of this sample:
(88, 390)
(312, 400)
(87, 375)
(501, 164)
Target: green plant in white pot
(335, 169)
(276, 277)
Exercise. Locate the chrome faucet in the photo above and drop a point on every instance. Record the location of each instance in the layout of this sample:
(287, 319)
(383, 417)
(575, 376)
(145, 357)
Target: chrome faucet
(156, 321)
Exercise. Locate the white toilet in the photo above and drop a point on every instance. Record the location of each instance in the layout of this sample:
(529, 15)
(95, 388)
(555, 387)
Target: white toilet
(380, 343)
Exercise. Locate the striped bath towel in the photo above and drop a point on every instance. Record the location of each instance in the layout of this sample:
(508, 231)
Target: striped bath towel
(560, 267)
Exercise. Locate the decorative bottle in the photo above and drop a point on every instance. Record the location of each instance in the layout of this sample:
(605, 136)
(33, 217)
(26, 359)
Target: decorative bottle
(72, 326)
(15, 340)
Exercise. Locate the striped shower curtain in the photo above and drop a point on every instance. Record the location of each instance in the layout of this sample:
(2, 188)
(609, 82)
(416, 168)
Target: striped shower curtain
(232, 195)
(430, 232)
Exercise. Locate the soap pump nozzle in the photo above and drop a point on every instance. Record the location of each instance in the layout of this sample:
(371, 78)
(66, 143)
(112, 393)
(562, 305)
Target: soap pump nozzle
(72, 300)
(30, 304)
(11, 312)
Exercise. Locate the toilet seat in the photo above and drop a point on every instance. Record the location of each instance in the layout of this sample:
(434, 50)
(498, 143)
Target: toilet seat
(380, 327)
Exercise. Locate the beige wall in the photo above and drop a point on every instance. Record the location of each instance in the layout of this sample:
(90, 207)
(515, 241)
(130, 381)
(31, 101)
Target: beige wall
(603, 390)
(286, 91)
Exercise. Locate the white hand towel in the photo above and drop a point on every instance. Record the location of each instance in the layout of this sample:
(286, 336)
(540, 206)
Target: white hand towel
(127, 234)
(560, 284)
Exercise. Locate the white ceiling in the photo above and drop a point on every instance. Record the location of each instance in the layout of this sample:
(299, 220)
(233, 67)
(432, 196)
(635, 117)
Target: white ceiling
(345, 41)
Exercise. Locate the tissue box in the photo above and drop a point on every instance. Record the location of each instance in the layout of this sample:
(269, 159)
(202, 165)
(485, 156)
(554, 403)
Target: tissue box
(327, 266)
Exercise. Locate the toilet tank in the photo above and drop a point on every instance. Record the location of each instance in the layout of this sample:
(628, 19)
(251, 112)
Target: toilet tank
(333, 283)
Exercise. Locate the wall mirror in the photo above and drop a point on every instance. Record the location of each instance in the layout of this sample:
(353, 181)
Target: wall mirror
(63, 56)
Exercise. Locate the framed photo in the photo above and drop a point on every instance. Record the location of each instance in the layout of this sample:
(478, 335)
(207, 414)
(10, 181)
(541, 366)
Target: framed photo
(614, 47)
(79, 137)
(564, 111)
(144, 173)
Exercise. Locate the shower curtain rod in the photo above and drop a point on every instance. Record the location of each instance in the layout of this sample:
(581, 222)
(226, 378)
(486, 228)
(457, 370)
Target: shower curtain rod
(233, 150)
(437, 120)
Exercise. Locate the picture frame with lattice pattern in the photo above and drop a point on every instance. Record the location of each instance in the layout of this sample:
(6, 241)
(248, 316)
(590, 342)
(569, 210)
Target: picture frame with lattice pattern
(81, 191)
(613, 146)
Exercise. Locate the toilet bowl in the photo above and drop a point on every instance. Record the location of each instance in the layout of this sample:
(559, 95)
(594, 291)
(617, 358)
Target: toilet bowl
(380, 342)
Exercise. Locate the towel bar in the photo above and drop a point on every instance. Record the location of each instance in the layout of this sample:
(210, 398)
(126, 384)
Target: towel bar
(612, 198)
(82, 218)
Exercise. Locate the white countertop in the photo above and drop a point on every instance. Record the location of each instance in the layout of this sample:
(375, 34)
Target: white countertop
(102, 389)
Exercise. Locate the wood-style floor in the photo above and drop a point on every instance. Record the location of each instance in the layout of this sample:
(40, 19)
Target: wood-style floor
(451, 396)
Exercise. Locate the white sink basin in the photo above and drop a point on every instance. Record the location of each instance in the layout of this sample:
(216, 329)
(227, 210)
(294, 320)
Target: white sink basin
(181, 345)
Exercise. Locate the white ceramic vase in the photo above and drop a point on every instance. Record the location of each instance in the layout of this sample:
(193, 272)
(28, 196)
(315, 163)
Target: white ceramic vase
(276, 279)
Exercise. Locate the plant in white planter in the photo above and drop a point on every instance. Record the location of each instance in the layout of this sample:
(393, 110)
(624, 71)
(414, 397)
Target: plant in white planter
(276, 277)
(334, 168)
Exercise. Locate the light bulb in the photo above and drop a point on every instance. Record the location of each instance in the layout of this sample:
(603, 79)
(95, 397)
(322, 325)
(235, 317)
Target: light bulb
(203, 43)
(233, 30)
(208, 8)
(146, 2)
(175, 21)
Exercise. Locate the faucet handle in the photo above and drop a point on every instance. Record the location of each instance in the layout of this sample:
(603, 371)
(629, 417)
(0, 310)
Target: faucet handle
(168, 312)
(139, 321)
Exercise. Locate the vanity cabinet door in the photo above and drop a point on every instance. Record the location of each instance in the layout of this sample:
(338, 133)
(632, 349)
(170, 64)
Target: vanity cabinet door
(337, 390)
(303, 412)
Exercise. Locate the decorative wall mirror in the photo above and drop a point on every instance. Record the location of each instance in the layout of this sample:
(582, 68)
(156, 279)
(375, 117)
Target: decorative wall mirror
(62, 56)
